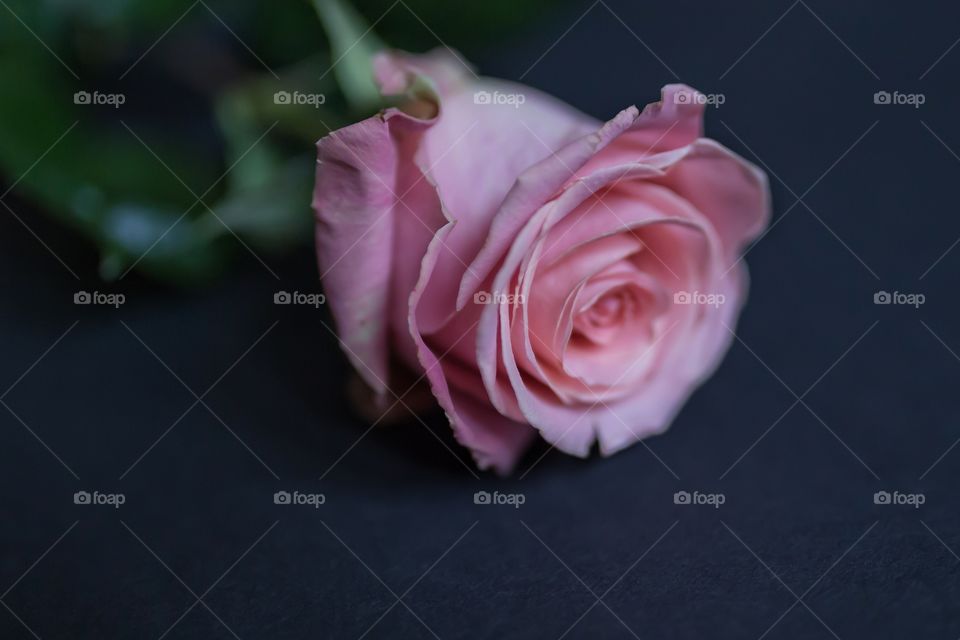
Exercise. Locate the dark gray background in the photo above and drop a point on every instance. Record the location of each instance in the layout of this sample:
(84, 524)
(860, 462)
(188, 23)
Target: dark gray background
(799, 549)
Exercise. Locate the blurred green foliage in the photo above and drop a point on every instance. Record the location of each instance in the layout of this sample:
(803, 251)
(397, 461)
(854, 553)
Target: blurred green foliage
(201, 152)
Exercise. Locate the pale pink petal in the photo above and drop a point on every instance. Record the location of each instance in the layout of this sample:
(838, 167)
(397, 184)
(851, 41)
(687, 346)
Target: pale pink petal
(494, 440)
(730, 192)
(354, 201)
(396, 72)
(474, 155)
(533, 188)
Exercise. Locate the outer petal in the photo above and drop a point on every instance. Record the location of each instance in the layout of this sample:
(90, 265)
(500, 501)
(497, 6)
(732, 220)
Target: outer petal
(475, 154)
(672, 123)
(356, 178)
(494, 440)
(730, 192)
(376, 215)
(396, 72)
(533, 188)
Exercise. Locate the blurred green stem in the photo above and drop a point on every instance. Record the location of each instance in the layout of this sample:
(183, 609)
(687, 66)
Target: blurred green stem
(352, 47)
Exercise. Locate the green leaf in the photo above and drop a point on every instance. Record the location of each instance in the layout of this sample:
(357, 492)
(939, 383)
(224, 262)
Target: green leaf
(160, 243)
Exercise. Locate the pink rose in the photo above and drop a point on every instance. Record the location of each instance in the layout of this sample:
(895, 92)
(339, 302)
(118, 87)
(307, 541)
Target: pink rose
(547, 273)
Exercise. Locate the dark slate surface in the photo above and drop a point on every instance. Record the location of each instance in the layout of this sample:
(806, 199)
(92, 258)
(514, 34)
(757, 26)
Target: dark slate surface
(827, 400)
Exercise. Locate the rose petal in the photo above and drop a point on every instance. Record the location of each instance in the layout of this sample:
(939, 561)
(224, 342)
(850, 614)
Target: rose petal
(474, 155)
(534, 187)
(730, 192)
(494, 440)
(354, 227)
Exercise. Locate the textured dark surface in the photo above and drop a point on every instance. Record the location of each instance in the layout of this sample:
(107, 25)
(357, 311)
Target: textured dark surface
(799, 521)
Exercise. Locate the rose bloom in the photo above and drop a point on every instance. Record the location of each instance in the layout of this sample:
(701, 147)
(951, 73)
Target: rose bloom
(549, 274)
